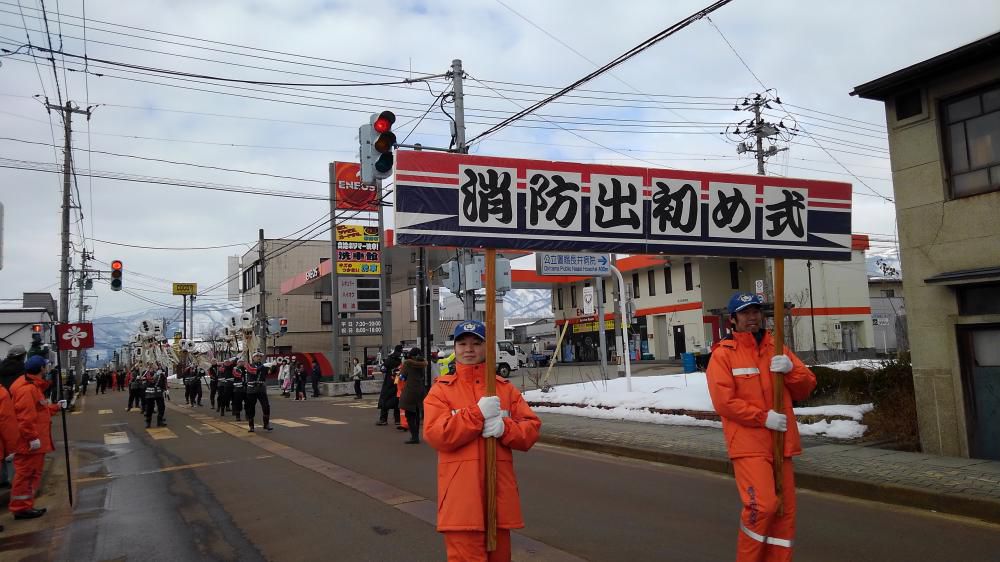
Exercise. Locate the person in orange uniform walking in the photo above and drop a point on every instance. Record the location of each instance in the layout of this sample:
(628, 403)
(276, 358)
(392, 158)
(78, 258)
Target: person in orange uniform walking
(8, 428)
(740, 382)
(458, 419)
(34, 415)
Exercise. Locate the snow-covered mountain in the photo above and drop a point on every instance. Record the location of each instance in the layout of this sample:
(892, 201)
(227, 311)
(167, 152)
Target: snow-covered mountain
(112, 332)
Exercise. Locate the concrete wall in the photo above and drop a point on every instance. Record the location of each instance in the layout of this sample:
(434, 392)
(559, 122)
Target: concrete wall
(840, 297)
(938, 235)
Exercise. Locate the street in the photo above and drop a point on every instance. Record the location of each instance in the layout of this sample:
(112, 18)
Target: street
(327, 484)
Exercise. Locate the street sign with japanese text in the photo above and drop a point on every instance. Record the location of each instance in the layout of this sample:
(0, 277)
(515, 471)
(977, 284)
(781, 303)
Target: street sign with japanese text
(358, 250)
(568, 263)
(351, 194)
(588, 300)
(357, 233)
(360, 326)
(463, 200)
(359, 294)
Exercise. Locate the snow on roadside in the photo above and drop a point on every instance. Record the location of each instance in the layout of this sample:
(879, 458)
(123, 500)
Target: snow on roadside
(612, 401)
(854, 364)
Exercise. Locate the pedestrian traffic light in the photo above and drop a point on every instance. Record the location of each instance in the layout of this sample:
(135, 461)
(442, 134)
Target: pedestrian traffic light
(283, 323)
(377, 142)
(116, 275)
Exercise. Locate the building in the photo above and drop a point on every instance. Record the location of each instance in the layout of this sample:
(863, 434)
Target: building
(943, 118)
(18, 324)
(680, 306)
(888, 314)
(309, 318)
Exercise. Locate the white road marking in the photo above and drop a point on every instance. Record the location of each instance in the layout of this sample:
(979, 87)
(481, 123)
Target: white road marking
(289, 423)
(325, 421)
(116, 438)
(161, 433)
(102, 412)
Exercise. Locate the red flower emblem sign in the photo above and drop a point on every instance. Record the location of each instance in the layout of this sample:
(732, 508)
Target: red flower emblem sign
(73, 337)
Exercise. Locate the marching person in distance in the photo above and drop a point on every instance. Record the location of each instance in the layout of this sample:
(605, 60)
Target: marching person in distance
(300, 382)
(239, 388)
(459, 418)
(34, 421)
(135, 396)
(284, 377)
(155, 388)
(84, 381)
(741, 382)
(256, 379)
(213, 384)
(356, 376)
(412, 399)
(315, 379)
(387, 399)
(226, 382)
(196, 386)
(187, 377)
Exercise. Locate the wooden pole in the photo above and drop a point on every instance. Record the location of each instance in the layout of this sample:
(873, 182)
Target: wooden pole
(778, 380)
(491, 390)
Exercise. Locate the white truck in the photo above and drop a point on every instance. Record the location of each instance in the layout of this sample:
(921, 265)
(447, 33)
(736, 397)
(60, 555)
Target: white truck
(509, 356)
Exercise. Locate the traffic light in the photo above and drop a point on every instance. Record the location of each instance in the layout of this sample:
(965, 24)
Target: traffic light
(36, 328)
(116, 275)
(377, 142)
(283, 323)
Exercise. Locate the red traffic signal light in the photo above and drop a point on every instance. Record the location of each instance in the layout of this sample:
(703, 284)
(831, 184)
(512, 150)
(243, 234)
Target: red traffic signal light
(116, 275)
(383, 124)
(283, 322)
(36, 328)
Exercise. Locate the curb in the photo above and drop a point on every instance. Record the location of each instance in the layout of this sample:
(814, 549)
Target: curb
(954, 504)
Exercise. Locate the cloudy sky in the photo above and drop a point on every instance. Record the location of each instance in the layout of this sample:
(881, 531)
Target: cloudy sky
(666, 107)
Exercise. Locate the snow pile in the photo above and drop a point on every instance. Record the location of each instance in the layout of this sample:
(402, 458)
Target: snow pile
(611, 400)
(870, 364)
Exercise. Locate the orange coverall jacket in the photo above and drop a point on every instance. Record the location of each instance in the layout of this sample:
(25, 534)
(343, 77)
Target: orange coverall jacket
(8, 424)
(34, 414)
(454, 425)
(741, 385)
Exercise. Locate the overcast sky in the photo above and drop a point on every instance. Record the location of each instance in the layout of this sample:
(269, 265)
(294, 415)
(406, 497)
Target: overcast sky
(813, 53)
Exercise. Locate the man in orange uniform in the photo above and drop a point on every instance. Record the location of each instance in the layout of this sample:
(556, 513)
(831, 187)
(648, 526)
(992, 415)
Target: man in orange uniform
(458, 419)
(34, 415)
(740, 382)
(8, 428)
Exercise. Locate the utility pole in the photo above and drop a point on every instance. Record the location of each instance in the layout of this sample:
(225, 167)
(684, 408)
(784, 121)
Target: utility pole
(81, 311)
(261, 270)
(457, 74)
(812, 311)
(67, 112)
(386, 295)
(751, 139)
(335, 350)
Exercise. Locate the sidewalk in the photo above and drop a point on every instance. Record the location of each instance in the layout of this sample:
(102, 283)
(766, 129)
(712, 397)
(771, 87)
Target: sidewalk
(960, 486)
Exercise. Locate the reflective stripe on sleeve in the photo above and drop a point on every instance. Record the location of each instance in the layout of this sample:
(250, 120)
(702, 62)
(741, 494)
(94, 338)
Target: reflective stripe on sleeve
(766, 540)
(746, 371)
(20, 497)
(455, 412)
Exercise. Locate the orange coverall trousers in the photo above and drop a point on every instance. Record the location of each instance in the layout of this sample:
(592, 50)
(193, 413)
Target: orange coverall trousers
(470, 546)
(27, 478)
(764, 535)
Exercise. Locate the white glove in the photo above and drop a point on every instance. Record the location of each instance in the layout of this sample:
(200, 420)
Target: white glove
(34, 444)
(62, 405)
(776, 421)
(781, 364)
(493, 427)
(490, 406)
(10, 457)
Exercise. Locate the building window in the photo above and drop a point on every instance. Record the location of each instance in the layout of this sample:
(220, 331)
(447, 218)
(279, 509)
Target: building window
(668, 282)
(635, 285)
(972, 142)
(559, 299)
(889, 293)
(326, 313)
(909, 105)
(651, 282)
(734, 274)
(572, 296)
(978, 299)
(688, 277)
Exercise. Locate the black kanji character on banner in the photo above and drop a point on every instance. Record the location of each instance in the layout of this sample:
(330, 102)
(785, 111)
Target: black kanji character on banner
(487, 195)
(725, 211)
(787, 214)
(552, 198)
(674, 207)
(615, 202)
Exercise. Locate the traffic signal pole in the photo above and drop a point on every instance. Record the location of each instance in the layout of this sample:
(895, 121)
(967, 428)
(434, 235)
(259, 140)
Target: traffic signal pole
(262, 343)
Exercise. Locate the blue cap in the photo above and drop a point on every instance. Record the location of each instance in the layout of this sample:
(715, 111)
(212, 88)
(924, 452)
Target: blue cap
(743, 300)
(35, 364)
(470, 327)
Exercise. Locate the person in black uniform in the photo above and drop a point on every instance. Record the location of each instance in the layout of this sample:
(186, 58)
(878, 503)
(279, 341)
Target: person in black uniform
(239, 388)
(155, 388)
(213, 384)
(188, 377)
(225, 387)
(256, 380)
(199, 374)
(135, 386)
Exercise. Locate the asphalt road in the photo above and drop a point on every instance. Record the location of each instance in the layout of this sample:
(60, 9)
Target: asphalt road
(328, 484)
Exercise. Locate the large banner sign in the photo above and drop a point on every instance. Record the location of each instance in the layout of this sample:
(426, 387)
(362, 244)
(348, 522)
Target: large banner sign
(351, 193)
(481, 201)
